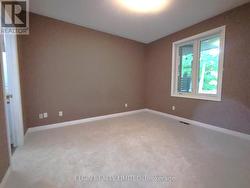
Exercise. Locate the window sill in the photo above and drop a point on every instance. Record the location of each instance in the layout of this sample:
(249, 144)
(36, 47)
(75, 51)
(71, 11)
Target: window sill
(198, 97)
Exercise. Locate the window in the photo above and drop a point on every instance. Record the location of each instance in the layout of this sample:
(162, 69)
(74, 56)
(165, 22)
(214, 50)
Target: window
(197, 66)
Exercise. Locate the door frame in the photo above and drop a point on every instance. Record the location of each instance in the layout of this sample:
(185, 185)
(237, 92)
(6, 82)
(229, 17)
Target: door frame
(4, 99)
(16, 101)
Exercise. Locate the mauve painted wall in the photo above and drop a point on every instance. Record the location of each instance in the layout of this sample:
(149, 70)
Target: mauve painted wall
(233, 112)
(87, 73)
(4, 154)
(82, 72)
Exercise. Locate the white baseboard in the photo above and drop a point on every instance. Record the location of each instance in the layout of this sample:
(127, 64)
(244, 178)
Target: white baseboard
(5, 178)
(80, 121)
(196, 123)
(192, 122)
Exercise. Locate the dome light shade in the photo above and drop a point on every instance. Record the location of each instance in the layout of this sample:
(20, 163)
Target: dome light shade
(144, 6)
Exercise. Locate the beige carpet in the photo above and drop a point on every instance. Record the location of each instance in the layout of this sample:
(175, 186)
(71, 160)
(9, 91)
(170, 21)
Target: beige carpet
(141, 150)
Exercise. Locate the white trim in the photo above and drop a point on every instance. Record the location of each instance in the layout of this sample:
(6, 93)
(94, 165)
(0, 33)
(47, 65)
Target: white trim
(80, 121)
(5, 107)
(204, 125)
(221, 64)
(5, 178)
(202, 97)
(15, 88)
(192, 122)
(221, 31)
(201, 35)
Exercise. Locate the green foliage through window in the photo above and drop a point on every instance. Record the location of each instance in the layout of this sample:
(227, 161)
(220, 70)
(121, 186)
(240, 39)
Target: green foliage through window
(208, 65)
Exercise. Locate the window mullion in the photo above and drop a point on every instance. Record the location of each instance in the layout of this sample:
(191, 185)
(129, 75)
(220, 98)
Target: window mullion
(195, 68)
(177, 68)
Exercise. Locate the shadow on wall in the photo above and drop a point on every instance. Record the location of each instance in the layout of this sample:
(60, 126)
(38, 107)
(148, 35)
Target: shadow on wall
(223, 114)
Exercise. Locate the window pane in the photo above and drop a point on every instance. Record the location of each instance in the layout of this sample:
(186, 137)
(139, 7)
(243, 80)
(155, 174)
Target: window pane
(185, 68)
(209, 65)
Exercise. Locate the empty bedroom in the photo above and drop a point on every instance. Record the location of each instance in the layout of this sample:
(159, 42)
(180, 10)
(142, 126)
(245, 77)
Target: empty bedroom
(125, 93)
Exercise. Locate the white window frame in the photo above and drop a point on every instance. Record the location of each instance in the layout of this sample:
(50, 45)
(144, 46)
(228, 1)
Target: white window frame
(175, 62)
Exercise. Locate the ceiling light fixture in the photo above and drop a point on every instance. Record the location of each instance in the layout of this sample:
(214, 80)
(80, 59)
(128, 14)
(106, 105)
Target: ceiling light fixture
(144, 6)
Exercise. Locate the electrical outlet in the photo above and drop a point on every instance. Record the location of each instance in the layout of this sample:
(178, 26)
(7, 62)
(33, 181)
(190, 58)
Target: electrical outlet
(173, 108)
(45, 115)
(40, 116)
(60, 113)
(126, 105)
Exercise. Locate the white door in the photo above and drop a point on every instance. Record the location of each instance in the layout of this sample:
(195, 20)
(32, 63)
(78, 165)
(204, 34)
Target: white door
(8, 98)
(12, 91)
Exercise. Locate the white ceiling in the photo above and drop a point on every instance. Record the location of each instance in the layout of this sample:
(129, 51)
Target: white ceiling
(108, 16)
